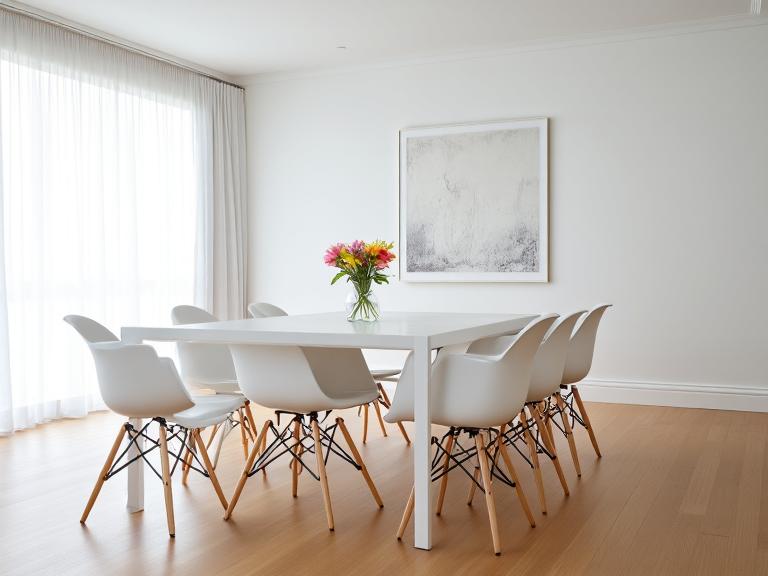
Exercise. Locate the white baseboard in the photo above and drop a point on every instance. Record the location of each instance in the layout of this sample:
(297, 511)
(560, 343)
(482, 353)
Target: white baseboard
(681, 395)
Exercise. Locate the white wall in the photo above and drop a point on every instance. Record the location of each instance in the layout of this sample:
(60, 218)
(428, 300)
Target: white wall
(658, 191)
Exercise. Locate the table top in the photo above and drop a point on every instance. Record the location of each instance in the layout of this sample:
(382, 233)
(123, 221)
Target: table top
(395, 330)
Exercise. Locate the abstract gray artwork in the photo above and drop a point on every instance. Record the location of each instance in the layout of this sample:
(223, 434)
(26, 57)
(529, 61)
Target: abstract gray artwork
(474, 202)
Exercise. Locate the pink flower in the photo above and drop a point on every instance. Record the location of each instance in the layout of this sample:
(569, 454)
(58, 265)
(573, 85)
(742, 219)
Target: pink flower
(332, 254)
(357, 247)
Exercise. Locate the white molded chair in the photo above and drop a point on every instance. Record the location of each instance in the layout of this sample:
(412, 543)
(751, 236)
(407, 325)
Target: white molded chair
(546, 376)
(266, 310)
(209, 366)
(303, 383)
(475, 394)
(204, 366)
(136, 383)
(580, 352)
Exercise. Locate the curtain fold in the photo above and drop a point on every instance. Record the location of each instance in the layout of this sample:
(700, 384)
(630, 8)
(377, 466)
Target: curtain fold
(122, 189)
(226, 210)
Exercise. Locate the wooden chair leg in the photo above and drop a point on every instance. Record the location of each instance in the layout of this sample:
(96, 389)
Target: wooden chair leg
(585, 417)
(516, 479)
(243, 435)
(550, 445)
(532, 450)
(167, 489)
(295, 466)
(262, 448)
(473, 485)
(102, 475)
(546, 419)
(301, 453)
(322, 474)
(403, 432)
(546, 427)
(209, 468)
(482, 456)
(255, 451)
(359, 460)
(476, 477)
(212, 436)
(406, 516)
(384, 394)
(444, 480)
(185, 459)
(188, 460)
(250, 421)
(568, 432)
(378, 416)
(365, 423)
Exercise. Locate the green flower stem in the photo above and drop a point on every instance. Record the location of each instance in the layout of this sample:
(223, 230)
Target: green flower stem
(364, 308)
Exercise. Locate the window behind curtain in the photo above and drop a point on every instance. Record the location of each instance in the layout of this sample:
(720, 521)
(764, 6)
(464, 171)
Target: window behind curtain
(99, 192)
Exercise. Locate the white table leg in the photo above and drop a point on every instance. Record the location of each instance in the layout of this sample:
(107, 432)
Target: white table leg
(136, 473)
(136, 470)
(421, 446)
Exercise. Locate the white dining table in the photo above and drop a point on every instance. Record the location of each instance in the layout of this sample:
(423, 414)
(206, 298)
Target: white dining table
(419, 332)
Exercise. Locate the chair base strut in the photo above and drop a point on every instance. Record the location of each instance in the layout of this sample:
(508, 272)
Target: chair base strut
(300, 438)
(176, 445)
(452, 454)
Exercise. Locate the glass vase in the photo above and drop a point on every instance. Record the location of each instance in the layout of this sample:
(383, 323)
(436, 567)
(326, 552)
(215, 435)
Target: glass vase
(362, 307)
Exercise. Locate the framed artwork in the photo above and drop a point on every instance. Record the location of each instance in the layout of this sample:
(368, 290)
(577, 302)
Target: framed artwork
(474, 202)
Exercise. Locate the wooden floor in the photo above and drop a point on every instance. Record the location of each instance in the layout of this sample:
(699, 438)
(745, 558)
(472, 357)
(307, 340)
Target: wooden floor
(677, 491)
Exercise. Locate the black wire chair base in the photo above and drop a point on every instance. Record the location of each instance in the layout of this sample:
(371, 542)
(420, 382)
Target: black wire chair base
(232, 423)
(178, 439)
(516, 433)
(514, 436)
(573, 412)
(286, 442)
(460, 456)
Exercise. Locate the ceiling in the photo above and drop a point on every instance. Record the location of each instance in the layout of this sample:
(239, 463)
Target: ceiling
(247, 37)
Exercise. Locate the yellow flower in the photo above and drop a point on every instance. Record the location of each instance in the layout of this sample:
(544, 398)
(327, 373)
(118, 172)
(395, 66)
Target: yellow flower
(348, 258)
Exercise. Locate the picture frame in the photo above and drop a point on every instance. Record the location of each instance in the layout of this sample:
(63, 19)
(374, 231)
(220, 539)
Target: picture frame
(474, 202)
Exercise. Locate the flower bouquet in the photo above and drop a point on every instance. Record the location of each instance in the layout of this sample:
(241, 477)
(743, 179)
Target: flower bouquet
(362, 263)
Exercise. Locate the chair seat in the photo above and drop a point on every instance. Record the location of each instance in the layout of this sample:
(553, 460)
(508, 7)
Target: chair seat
(208, 410)
(353, 398)
(385, 374)
(348, 399)
(219, 386)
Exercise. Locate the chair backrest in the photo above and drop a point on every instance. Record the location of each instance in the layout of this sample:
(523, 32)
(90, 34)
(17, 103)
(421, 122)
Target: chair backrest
(582, 346)
(550, 359)
(136, 383)
(265, 310)
(133, 381)
(299, 379)
(518, 362)
(204, 365)
(90, 330)
(475, 389)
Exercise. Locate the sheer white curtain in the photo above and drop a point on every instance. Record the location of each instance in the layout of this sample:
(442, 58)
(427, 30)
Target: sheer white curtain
(122, 182)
